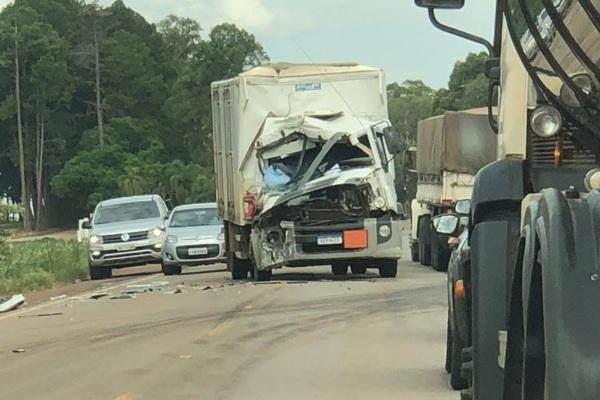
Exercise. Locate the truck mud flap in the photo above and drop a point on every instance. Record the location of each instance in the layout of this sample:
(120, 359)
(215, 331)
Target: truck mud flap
(492, 267)
(554, 330)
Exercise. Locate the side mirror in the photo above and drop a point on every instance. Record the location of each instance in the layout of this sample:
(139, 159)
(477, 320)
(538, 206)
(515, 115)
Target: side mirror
(86, 224)
(392, 140)
(446, 224)
(410, 160)
(445, 4)
(463, 207)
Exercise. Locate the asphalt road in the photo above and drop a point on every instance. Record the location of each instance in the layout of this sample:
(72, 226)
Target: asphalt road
(305, 336)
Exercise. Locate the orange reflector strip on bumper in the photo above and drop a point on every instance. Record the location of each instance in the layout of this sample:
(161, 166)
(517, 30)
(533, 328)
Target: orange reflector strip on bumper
(356, 239)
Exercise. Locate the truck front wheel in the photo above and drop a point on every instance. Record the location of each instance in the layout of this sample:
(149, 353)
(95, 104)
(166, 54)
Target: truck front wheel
(239, 268)
(388, 268)
(339, 269)
(425, 240)
(414, 251)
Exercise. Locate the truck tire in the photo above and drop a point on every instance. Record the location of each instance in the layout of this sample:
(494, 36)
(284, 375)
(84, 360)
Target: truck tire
(448, 364)
(414, 251)
(456, 380)
(239, 268)
(388, 268)
(262, 276)
(440, 256)
(339, 269)
(171, 269)
(425, 240)
(358, 269)
(99, 272)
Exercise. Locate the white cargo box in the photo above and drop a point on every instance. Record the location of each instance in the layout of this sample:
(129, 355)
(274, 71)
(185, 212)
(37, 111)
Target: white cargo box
(241, 105)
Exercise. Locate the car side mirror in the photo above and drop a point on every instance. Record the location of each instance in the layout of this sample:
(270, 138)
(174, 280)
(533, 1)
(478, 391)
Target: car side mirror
(392, 140)
(86, 224)
(446, 224)
(463, 207)
(444, 4)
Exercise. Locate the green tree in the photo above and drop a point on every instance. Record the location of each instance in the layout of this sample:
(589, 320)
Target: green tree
(467, 87)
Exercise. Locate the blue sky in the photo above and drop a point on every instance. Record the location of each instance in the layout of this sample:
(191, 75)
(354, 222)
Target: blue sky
(391, 34)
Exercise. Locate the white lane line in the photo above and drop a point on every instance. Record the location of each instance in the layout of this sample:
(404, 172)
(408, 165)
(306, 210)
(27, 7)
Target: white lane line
(82, 295)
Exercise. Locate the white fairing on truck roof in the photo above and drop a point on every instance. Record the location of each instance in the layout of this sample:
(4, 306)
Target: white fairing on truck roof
(241, 105)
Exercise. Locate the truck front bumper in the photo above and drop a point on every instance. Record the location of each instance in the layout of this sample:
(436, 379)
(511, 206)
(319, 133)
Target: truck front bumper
(302, 245)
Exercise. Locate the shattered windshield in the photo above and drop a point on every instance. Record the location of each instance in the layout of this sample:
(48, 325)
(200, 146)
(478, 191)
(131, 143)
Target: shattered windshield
(282, 171)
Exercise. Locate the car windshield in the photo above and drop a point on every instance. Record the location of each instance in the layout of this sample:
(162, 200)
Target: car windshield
(195, 217)
(107, 214)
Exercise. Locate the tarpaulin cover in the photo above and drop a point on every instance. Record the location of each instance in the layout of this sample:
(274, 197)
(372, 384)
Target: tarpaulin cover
(456, 141)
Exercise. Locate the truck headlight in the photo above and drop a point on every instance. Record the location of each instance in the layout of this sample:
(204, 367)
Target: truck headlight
(546, 121)
(221, 236)
(584, 81)
(154, 233)
(379, 202)
(385, 231)
(95, 239)
(171, 239)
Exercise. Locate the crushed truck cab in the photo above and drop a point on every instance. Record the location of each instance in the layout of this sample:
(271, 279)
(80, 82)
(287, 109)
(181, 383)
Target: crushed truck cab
(304, 167)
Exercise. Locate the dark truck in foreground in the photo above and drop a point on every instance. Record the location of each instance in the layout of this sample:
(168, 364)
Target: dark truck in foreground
(535, 217)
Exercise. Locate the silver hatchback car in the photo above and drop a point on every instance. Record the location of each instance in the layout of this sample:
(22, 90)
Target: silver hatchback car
(194, 237)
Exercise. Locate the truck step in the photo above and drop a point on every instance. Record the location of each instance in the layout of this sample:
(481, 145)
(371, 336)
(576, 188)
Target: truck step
(466, 394)
(467, 354)
(466, 370)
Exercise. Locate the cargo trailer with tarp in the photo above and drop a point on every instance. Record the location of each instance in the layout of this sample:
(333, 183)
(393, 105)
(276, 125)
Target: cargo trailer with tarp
(451, 148)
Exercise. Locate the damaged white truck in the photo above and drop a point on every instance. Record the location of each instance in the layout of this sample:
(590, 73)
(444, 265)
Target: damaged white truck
(305, 171)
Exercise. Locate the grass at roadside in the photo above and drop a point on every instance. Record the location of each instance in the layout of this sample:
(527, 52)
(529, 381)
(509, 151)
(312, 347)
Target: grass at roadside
(40, 264)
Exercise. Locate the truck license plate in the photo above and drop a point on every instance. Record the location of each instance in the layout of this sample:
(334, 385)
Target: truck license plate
(198, 251)
(325, 240)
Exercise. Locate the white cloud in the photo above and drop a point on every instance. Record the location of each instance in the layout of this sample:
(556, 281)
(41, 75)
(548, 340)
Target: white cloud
(250, 14)
(4, 3)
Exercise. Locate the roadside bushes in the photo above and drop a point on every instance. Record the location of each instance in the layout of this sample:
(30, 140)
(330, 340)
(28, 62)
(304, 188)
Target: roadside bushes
(40, 264)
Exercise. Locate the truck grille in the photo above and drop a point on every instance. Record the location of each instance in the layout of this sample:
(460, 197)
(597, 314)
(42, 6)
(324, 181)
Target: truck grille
(133, 236)
(542, 152)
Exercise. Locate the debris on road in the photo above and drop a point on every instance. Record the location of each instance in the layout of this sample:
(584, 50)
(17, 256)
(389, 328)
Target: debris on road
(185, 356)
(178, 290)
(97, 296)
(206, 288)
(13, 303)
(18, 351)
(62, 296)
(41, 315)
(123, 297)
(147, 287)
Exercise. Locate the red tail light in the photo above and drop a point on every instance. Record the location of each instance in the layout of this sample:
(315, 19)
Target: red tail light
(249, 206)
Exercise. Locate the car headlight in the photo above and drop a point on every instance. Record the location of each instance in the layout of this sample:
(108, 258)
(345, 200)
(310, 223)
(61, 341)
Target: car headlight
(584, 81)
(154, 233)
(95, 239)
(221, 236)
(385, 231)
(546, 121)
(172, 239)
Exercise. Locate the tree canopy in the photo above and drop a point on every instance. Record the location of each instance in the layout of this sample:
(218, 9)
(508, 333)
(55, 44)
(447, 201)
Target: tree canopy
(104, 103)
(111, 104)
